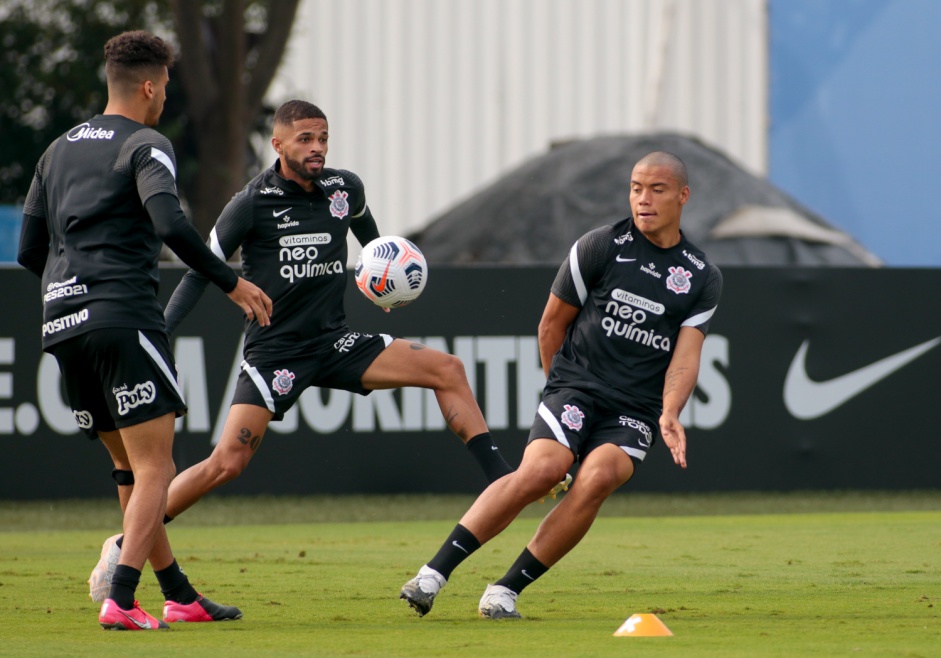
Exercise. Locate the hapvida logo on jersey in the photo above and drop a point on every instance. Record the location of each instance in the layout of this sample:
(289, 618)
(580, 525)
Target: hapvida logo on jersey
(141, 394)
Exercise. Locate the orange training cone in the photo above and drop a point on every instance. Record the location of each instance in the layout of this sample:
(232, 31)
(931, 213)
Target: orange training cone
(643, 626)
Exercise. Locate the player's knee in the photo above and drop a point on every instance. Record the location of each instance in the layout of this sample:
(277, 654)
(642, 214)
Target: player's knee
(539, 477)
(450, 371)
(599, 482)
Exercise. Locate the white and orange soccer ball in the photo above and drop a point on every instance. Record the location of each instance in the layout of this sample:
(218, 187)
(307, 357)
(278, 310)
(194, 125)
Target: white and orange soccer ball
(391, 271)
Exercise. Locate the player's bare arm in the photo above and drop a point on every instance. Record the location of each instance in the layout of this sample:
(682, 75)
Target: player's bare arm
(679, 382)
(556, 318)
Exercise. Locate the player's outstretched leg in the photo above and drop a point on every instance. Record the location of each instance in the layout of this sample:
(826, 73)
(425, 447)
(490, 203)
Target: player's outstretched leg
(420, 591)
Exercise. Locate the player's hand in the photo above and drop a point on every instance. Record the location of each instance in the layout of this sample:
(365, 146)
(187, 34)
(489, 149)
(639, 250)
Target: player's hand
(253, 301)
(675, 437)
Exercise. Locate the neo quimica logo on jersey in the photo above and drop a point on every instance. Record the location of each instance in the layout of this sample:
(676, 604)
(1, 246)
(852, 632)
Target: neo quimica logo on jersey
(85, 131)
(625, 314)
(299, 255)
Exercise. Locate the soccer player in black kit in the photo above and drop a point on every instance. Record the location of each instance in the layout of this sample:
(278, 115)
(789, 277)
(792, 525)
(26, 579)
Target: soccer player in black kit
(101, 204)
(620, 339)
(291, 223)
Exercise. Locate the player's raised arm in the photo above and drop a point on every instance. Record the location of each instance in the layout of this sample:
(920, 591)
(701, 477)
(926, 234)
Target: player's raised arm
(226, 236)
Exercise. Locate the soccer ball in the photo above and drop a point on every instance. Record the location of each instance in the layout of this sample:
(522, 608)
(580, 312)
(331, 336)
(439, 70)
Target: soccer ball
(391, 272)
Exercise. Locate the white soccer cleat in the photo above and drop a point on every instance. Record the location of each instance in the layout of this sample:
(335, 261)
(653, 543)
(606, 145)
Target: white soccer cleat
(498, 602)
(420, 591)
(99, 583)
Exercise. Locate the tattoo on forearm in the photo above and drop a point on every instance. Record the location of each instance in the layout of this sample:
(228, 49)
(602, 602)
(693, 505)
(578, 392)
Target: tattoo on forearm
(416, 346)
(245, 438)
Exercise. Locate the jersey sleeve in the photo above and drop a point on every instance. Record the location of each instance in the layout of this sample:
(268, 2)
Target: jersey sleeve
(35, 203)
(583, 267)
(358, 207)
(701, 313)
(225, 238)
(148, 157)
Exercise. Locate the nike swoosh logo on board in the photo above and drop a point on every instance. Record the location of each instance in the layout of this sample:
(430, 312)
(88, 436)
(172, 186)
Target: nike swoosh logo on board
(624, 260)
(278, 214)
(807, 399)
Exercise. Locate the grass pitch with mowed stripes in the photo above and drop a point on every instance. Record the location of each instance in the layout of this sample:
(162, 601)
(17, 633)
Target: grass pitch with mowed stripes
(795, 584)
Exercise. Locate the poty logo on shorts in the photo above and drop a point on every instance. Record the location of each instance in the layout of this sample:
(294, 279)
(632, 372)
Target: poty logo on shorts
(83, 419)
(283, 381)
(339, 206)
(572, 417)
(678, 281)
(141, 394)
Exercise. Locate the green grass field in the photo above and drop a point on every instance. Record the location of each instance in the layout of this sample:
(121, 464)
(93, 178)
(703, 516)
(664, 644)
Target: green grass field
(838, 574)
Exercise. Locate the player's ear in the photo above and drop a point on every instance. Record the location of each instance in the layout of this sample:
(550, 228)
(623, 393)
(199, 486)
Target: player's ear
(276, 145)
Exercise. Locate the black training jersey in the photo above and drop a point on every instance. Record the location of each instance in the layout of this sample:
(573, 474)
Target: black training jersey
(90, 187)
(294, 248)
(634, 297)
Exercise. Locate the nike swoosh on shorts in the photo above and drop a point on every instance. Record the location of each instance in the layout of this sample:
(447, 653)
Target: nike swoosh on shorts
(807, 399)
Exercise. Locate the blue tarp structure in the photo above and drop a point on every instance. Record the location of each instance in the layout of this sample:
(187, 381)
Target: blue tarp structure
(10, 218)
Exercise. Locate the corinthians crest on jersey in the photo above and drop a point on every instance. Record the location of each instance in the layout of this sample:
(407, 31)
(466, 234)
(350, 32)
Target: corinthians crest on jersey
(339, 206)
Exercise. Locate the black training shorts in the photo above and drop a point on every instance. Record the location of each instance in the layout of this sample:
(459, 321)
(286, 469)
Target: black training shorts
(338, 361)
(118, 377)
(572, 418)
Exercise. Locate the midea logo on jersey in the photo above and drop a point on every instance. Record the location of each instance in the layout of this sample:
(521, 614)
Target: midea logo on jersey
(141, 394)
(85, 131)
